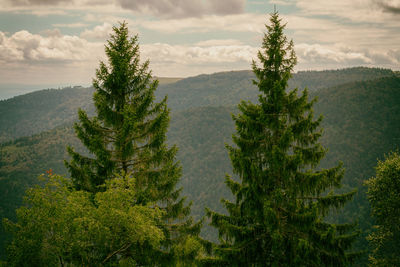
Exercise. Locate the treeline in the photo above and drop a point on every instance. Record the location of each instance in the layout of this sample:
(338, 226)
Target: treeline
(43, 110)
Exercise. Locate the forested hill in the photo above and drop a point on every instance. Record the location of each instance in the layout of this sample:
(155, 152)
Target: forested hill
(361, 124)
(229, 88)
(43, 110)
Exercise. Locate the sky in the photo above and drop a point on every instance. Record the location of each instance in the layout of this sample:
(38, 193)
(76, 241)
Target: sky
(57, 43)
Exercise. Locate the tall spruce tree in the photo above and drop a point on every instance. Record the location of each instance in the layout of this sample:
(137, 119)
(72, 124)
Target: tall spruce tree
(281, 198)
(127, 137)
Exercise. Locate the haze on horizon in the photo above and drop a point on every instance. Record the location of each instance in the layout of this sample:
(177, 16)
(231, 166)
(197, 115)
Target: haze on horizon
(56, 43)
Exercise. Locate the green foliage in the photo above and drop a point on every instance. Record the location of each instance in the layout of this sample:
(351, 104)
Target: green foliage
(43, 110)
(128, 135)
(384, 196)
(360, 122)
(23, 160)
(277, 217)
(40, 111)
(60, 226)
(316, 80)
(229, 88)
(201, 134)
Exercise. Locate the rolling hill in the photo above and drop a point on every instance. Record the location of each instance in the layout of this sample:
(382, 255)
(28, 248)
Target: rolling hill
(361, 123)
(43, 110)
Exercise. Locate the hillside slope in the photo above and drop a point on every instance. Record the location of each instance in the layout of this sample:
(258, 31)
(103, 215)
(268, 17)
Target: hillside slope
(228, 88)
(43, 110)
(361, 123)
(39, 111)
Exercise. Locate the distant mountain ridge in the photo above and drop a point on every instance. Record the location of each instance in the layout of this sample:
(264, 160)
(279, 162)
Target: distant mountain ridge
(229, 88)
(43, 110)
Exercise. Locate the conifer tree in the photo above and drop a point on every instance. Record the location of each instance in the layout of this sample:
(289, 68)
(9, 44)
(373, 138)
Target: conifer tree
(127, 137)
(281, 198)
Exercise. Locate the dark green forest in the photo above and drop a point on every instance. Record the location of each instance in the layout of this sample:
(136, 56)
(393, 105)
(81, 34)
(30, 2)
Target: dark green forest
(360, 125)
(43, 110)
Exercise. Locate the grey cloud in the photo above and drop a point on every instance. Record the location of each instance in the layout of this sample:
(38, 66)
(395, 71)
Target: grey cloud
(184, 8)
(51, 33)
(389, 58)
(160, 8)
(37, 2)
(227, 7)
(395, 54)
(319, 54)
(389, 6)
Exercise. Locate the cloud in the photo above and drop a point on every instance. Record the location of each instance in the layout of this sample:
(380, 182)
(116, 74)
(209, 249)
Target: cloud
(391, 6)
(233, 23)
(184, 8)
(281, 2)
(100, 32)
(162, 53)
(29, 48)
(186, 60)
(158, 8)
(48, 58)
(219, 42)
(37, 2)
(317, 56)
(51, 57)
(70, 25)
(320, 54)
(51, 33)
(360, 11)
(326, 34)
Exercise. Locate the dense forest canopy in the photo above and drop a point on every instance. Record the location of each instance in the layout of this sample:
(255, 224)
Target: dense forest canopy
(43, 110)
(384, 196)
(360, 122)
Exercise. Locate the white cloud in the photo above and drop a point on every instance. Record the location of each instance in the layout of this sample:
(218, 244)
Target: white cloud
(47, 58)
(231, 23)
(183, 61)
(100, 32)
(164, 53)
(317, 56)
(219, 42)
(53, 57)
(317, 53)
(70, 25)
(25, 46)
